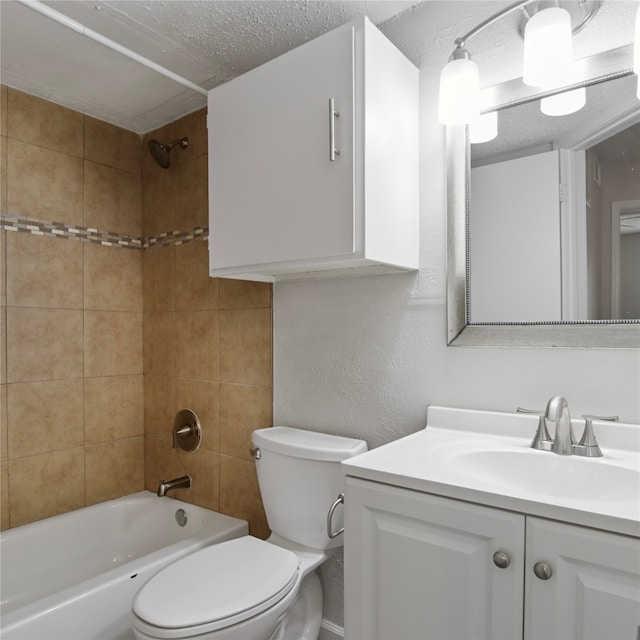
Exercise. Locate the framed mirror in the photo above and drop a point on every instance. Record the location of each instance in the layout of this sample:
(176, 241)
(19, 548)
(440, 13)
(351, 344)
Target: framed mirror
(543, 223)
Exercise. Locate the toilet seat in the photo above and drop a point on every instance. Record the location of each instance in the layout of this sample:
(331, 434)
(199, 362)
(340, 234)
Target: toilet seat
(215, 587)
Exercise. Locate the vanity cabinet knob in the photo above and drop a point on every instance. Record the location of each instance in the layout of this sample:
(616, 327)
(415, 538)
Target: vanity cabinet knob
(542, 570)
(501, 559)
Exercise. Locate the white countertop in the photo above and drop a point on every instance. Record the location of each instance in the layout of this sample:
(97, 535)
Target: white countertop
(442, 459)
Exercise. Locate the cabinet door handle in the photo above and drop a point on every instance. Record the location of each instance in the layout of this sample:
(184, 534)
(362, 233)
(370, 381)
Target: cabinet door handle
(542, 570)
(501, 559)
(333, 114)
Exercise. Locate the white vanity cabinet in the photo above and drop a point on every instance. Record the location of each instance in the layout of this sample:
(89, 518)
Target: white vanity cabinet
(313, 161)
(421, 566)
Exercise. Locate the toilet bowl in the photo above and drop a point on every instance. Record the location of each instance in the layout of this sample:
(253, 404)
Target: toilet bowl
(252, 589)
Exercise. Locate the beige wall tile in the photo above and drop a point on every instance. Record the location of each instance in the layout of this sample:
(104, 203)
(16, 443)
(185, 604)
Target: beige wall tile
(113, 408)
(243, 409)
(113, 146)
(3, 422)
(5, 522)
(197, 344)
(204, 468)
(112, 199)
(244, 294)
(158, 200)
(3, 345)
(45, 485)
(195, 289)
(45, 417)
(3, 268)
(3, 174)
(202, 397)
(240, 494)
(44, 272)
(159, 406)
(114, 469)
(159, 279)
(245, 346)
(112, 278)
(191, 197)
(3, 109)
(159, 343)
(113, 343)
(159, 462)
(44, 123)
(44, 184)
(44, 344)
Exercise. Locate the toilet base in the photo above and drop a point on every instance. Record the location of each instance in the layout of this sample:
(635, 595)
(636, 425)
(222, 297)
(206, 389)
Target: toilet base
(305, 614)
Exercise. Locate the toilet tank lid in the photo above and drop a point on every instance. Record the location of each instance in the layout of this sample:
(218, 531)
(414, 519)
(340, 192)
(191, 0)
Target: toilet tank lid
(310, 445)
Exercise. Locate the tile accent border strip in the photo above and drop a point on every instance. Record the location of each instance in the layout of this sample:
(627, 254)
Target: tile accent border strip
(24, 224)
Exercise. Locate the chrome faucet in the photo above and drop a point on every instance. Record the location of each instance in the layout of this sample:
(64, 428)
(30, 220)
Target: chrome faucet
(558, 413)
(563, 442)
(184, 482)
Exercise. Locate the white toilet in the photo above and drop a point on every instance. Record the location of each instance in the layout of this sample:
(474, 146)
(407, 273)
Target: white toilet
(249, 589)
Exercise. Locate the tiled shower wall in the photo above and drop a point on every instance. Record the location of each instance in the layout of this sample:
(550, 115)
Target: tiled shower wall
(102, 341)
(207, 342)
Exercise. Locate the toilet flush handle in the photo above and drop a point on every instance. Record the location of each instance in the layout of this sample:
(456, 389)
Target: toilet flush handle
(330, 532)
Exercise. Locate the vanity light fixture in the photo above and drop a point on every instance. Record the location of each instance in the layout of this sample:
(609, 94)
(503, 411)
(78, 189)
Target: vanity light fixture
(547, 28)
(484, 128)
(562, 104)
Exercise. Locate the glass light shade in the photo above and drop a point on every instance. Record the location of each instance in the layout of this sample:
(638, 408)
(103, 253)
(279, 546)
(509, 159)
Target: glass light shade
(459, 100)
(484, 128)
(548, 48)
(565, 103)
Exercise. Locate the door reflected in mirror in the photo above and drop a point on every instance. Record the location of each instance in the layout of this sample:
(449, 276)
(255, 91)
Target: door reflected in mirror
(554, 213)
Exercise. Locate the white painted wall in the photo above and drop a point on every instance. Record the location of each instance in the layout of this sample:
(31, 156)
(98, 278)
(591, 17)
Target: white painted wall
(365, 356)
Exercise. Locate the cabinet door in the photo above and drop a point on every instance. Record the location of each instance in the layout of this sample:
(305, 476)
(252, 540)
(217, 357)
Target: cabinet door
(274, 193)
(419, 566)
(594, 589)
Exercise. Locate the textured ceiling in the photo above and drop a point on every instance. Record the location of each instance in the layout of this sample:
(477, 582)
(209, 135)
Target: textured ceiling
(207, 42)
(211, 41)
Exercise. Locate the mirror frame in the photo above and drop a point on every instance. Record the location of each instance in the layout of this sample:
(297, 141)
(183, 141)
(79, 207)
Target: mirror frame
(608, 334)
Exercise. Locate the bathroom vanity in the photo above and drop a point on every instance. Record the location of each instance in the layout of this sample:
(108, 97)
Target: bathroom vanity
(463, 531)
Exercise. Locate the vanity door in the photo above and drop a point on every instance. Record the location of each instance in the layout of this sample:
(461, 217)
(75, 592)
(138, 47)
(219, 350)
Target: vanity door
(418, 566)
(580, 583)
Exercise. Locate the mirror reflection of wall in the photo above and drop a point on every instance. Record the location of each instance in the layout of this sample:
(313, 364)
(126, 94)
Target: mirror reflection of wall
(567, 259)
(613, 178)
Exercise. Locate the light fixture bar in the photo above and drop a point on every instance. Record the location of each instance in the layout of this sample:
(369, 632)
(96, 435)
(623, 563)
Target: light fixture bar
(489, 21)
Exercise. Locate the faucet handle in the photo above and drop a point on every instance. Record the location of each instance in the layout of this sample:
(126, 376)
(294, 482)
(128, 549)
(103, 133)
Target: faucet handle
(588, 445)
(542, 439)
(537, 412)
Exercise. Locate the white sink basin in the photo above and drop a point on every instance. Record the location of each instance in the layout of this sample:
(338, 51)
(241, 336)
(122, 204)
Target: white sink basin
(547, 474)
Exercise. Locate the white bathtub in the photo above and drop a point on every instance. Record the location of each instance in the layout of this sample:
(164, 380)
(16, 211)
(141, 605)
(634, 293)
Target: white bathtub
(74, 576)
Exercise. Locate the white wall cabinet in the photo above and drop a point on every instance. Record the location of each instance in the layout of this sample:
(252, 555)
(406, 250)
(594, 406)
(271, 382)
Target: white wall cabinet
(313, 160)
(419, 566)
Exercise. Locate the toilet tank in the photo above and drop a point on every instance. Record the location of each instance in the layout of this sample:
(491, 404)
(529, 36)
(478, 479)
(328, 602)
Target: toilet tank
(300, 478)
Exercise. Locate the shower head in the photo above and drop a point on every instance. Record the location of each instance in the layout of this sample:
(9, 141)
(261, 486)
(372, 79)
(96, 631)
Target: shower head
(162, 152)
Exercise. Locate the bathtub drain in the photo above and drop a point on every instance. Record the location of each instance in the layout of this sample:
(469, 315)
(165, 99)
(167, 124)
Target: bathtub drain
(181, 517)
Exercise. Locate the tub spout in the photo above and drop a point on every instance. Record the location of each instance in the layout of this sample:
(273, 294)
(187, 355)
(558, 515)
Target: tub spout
(184, 482)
